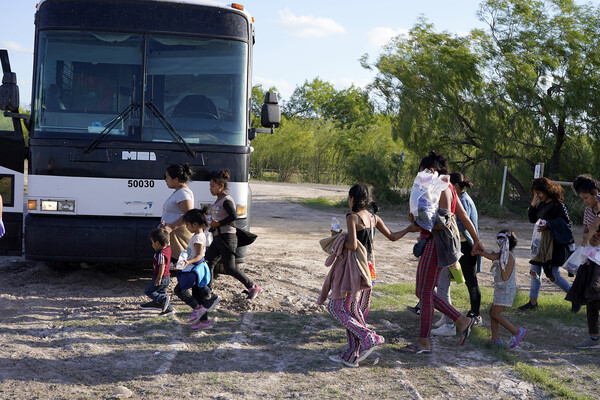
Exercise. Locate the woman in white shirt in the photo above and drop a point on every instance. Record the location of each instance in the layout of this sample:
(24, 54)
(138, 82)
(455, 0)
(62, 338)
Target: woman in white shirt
(177, 176)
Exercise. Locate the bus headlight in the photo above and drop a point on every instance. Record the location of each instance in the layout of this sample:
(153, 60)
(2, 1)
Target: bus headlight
(58, 205)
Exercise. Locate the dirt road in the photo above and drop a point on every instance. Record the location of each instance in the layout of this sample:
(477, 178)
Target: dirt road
(80, 333)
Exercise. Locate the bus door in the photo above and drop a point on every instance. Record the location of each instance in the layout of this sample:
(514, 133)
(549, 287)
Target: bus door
(12, 158)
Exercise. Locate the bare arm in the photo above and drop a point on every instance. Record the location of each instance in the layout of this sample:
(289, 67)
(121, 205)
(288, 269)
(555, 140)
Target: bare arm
(199, 250)
(490, 256)
(393, 236)
(351, 241)
(161, 271)
(510, 265)
(185, 206)
(466, 221)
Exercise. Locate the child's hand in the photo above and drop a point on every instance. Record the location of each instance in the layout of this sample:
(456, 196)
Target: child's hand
(477, 249)
(595, 240)
(157, 282)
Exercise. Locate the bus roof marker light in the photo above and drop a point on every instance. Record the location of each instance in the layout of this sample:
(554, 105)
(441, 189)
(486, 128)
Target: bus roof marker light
(237, 6)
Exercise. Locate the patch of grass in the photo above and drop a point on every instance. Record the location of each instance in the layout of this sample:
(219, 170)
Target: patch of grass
(322, 202)
(554, 384)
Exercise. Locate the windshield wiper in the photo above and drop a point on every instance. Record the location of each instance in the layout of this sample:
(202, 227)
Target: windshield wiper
(169, 128)
(112, 124)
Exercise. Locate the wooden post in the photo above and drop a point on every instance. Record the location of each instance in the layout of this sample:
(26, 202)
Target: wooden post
(503, 185)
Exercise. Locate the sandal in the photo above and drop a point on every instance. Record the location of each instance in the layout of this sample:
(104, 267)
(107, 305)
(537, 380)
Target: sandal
(414, 349)
(465, 334)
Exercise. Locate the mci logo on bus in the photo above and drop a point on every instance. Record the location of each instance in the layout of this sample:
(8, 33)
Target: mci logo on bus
(139, 155)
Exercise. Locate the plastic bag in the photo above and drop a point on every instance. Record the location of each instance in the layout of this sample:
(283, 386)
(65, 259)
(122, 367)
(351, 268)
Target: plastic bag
(578, 257)
(536, 238)
(425, 196)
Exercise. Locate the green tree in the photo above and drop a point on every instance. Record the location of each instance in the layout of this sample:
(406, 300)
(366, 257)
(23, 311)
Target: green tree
(513, 95)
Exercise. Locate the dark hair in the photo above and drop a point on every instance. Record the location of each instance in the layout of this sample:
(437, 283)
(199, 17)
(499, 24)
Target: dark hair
(459, 179)
(436, 161)
(361, 197)
(545, 185)
(182, 172)
(161, 236)
(221, 178)
(512, 238)
(196, 216)
(585, 184)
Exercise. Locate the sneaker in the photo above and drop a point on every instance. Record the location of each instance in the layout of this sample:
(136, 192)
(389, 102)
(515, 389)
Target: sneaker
(515, 340)
(415, 310)
(197, 314)
(489, 342)
(336, 358)
(211, 303)
(528, 306)
(166, 303)
(440, 322)
(201, 325)
(575, 308)
(254, 291)
(445, 330)
(589, 343)
(365, 353)
(151, 305)
(168, 311)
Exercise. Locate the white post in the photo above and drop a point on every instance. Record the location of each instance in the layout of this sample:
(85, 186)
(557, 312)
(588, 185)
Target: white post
(503, 185)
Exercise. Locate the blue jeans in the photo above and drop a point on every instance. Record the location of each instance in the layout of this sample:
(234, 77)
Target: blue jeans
(536, 281)
(158, 293)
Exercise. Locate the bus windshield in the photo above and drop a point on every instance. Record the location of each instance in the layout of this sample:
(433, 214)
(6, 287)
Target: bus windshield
(85, 80)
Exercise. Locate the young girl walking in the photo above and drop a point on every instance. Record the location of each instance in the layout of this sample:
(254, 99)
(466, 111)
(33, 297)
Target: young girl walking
(202, 300)
(505, 287)
(350, 301)
(224, 245)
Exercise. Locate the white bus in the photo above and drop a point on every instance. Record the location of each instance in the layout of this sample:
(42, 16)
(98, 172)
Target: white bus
(121, 90)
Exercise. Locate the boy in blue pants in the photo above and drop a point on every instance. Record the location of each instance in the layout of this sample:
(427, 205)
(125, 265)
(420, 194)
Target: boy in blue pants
(157, 288)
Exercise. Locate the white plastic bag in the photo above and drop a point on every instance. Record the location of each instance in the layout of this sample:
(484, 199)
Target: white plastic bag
(425, 196)
(536, 238)
(578, 257)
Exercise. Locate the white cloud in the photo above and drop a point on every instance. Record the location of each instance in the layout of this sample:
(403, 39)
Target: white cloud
(380, 36)
(284, 88)
(308, 26)
(16, 47)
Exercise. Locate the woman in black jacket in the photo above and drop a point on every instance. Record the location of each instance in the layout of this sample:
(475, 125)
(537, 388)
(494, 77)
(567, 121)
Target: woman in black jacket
(556, 238)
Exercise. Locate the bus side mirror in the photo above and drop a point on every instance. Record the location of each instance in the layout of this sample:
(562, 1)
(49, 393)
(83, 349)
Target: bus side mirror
(270, 115)
(9, 91)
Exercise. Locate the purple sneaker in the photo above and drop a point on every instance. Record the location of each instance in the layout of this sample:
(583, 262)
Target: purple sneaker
(515, 340)
(197, 314)
(201, 325)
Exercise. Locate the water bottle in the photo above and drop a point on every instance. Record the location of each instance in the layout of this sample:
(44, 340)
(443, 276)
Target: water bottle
(183, 256)
(335, 225)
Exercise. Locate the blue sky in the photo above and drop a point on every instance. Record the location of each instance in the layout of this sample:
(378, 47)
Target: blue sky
(296, 41)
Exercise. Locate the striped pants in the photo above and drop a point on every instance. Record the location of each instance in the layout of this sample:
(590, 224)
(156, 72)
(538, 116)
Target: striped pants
(427, 279)
(352, 315)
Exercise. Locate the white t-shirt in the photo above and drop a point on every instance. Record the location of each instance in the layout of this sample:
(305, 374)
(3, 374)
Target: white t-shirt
(199, 238)
(171, 210)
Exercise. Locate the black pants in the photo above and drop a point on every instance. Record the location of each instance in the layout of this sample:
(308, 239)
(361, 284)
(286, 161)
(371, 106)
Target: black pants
(468, 264)
(195, 298)
(223, 248)
(592, 310)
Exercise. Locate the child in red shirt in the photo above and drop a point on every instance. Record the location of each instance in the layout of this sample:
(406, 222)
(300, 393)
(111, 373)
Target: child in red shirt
(157, 288)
